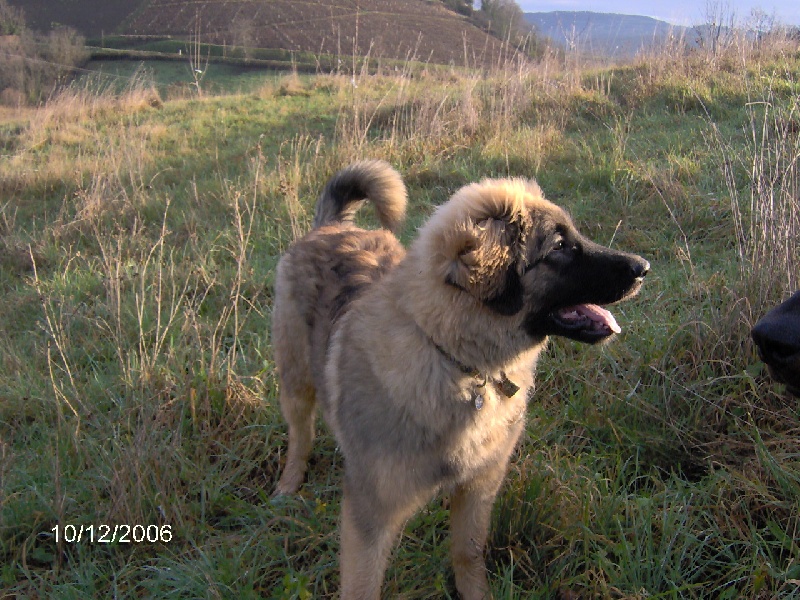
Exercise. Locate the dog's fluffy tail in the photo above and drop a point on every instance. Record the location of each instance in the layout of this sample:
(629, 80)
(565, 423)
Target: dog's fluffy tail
(346, 191)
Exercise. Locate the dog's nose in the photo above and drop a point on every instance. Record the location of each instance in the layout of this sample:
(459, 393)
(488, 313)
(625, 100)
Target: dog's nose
(775, 343)
(640, 268)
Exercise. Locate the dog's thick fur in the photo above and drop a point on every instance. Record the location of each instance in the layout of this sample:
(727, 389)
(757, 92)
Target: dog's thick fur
(423, 362)
(777, 336)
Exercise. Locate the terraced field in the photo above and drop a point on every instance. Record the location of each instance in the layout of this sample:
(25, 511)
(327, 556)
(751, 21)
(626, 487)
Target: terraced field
(391, 29)
(82, 15)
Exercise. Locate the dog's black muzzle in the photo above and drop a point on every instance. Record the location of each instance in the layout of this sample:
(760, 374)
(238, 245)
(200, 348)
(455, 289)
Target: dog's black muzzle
(777, 337)
(583, 282)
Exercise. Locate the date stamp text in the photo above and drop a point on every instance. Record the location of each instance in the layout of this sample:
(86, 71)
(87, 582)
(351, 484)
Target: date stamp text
(112, 534)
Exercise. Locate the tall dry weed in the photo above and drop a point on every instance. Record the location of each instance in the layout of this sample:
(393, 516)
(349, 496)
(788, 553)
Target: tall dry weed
(87, 139)
(300, 161)
(400, 116)
(721, 44)
(94, 98)
(763, 185)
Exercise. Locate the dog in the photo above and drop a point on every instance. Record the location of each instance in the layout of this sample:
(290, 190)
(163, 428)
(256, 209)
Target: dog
(777, 337)
(422, 361)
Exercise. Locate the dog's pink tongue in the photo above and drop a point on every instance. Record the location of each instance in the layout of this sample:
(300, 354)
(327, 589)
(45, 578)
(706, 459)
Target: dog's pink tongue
(599, 315)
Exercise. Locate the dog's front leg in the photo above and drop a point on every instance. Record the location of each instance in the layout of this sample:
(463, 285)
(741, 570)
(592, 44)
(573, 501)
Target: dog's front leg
(470, 512)
(368, 534)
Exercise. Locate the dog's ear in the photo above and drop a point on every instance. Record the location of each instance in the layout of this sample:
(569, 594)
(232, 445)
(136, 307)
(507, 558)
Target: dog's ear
(486, 261)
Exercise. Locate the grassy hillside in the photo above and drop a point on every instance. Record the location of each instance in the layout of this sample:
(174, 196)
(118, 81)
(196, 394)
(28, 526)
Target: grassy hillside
(138, 240)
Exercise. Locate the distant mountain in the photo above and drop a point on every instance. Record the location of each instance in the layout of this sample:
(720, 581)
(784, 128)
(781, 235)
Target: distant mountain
(605, 34)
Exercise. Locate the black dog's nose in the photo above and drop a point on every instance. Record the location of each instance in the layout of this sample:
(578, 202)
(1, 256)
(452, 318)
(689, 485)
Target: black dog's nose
(775, 340)
(773, 352)
(640, 268)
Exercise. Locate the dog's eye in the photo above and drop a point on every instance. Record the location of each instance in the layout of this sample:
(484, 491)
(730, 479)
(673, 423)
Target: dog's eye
(560, 250)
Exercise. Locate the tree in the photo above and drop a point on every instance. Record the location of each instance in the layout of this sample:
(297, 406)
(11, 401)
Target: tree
(719, 24)
(504, 18)
(12, 19)
(462, 7)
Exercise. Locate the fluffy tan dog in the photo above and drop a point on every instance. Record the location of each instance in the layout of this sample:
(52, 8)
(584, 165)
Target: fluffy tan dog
(422, 362)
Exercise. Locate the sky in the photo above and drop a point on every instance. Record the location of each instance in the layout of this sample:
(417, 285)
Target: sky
(679, 12)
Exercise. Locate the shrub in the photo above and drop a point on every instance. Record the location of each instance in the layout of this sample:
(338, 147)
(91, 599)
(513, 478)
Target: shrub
(34, 64)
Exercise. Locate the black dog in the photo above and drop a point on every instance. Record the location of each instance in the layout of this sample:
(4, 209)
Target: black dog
(777, 336)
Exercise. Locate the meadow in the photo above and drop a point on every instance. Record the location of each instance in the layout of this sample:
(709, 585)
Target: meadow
(139, 231)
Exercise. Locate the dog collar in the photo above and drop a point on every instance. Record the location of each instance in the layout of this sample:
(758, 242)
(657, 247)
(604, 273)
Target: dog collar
(507, 387)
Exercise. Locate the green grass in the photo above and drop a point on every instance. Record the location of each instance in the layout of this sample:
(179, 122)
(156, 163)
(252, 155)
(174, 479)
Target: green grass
(139, 232)
(174, 78)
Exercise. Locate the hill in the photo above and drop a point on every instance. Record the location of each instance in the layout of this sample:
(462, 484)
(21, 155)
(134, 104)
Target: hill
(392, 29)
(398, 29)
(81, 15)
(602, 33)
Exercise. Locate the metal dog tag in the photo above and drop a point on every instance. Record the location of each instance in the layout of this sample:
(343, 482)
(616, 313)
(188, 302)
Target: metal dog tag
(507, 387)
(477, 394)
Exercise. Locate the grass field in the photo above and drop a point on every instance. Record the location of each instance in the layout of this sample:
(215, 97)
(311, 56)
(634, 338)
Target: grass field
(174, 79)
(138, 238)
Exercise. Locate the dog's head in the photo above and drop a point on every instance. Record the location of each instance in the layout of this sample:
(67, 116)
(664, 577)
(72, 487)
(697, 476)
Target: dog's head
(777, 336)
(521, 257)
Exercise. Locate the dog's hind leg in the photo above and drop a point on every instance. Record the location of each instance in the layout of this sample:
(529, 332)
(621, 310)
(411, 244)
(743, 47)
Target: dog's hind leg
(290, 342)
(298, 406)
(297, 392)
